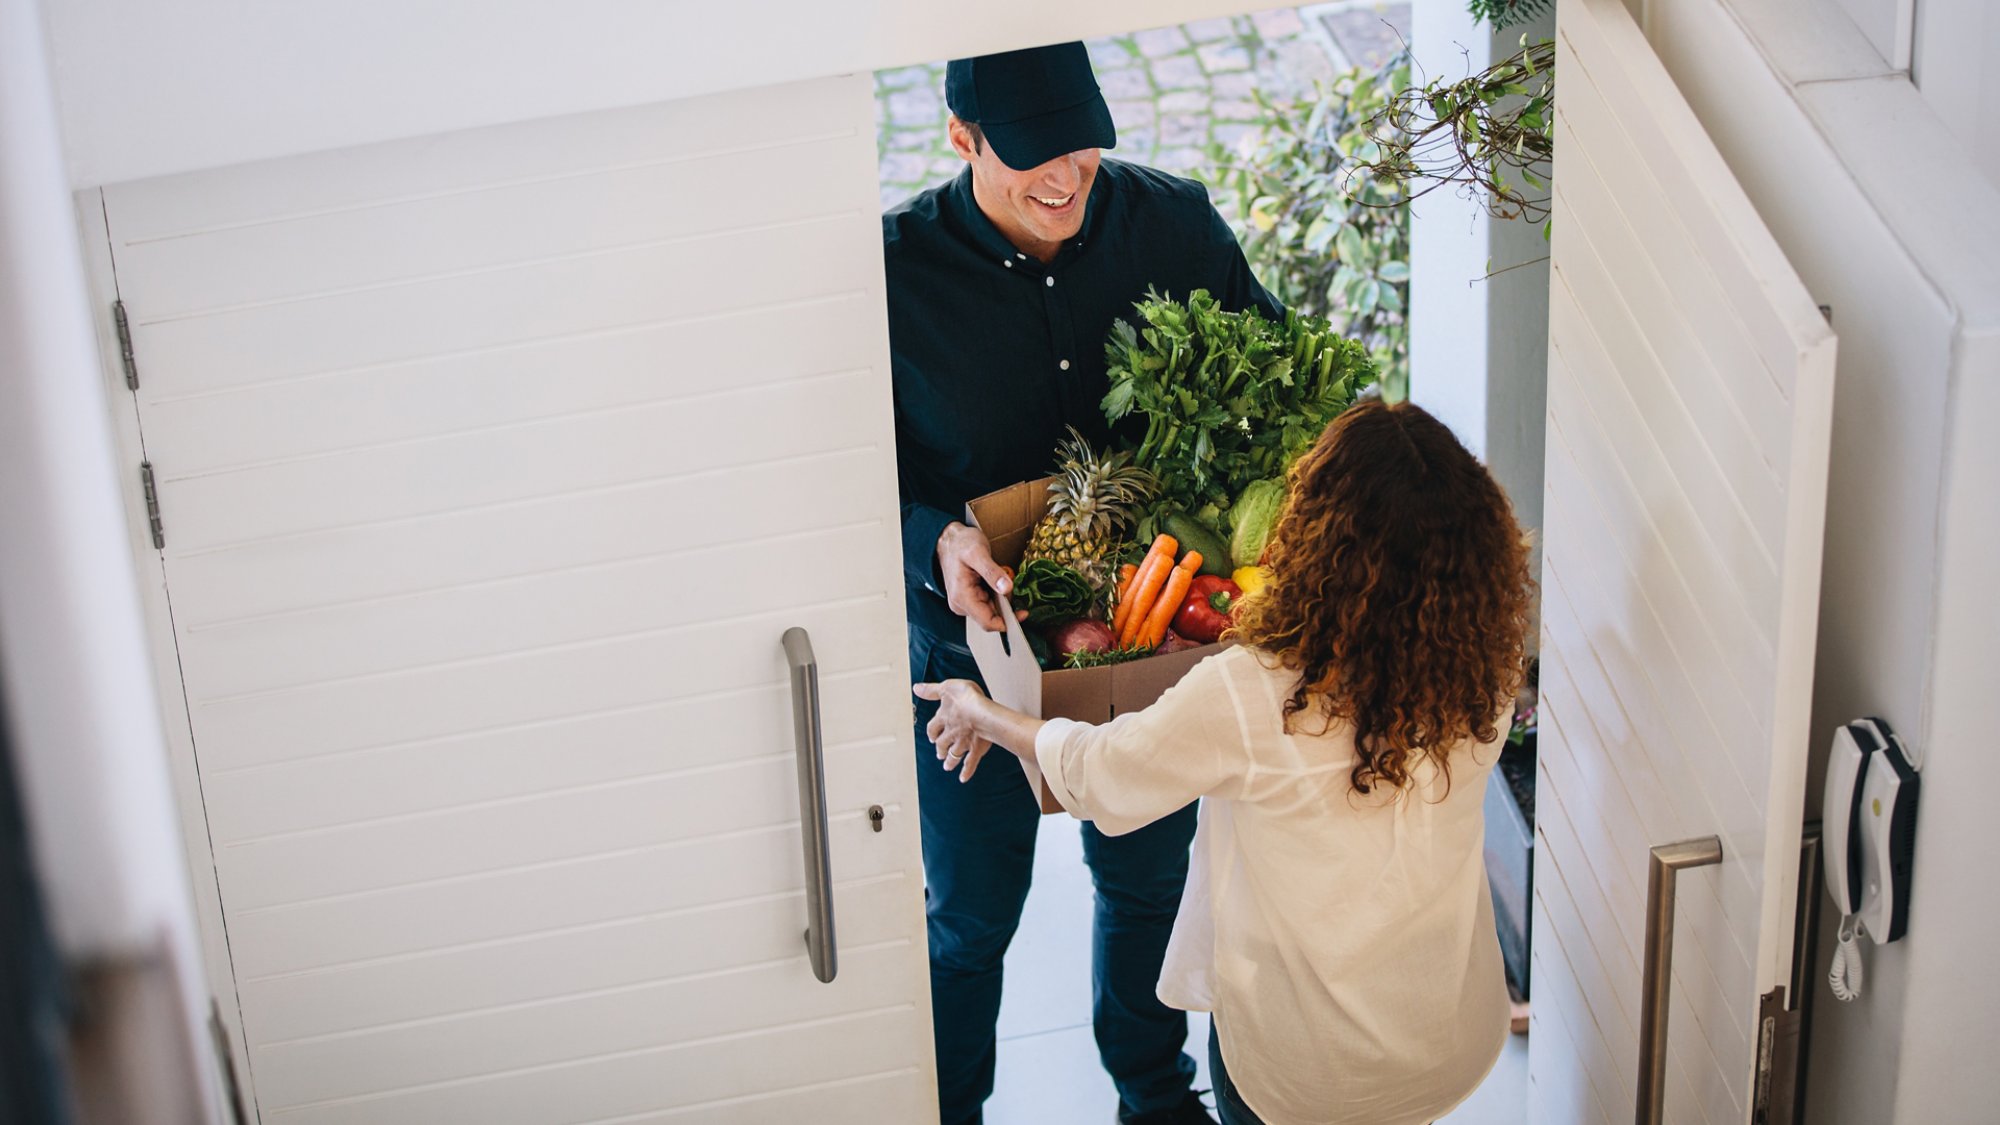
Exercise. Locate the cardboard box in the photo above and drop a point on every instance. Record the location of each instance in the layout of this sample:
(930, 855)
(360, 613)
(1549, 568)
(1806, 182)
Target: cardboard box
(1013, 678)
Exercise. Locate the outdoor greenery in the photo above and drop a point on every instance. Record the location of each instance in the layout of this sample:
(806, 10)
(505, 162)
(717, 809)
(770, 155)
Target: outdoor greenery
(1321, 225)
(1486, 132)
(1506, 13)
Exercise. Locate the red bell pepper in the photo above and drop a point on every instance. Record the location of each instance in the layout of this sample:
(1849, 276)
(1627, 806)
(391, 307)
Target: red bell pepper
(1205, 613)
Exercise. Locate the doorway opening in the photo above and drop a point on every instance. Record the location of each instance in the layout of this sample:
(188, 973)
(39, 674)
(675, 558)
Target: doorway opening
(1252, 106)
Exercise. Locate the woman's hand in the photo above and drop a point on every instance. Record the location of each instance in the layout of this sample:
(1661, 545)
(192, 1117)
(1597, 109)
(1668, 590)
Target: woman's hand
(955, 729)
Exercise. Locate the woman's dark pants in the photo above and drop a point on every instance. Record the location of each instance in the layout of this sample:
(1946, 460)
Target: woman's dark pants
(1228, 1101)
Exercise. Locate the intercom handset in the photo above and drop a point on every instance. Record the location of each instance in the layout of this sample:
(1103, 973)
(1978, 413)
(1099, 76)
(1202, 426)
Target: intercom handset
(1870, 819)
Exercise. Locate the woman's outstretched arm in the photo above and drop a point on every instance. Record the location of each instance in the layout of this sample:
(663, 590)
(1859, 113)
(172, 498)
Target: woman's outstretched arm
(967, 723)
(1122, 774)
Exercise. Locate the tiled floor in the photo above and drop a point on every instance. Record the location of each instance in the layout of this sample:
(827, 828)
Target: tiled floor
(1048, 1072)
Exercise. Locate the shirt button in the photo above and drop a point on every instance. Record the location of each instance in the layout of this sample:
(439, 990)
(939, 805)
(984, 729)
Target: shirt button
(1064, 365)
(1008, 264)
(1049, 281)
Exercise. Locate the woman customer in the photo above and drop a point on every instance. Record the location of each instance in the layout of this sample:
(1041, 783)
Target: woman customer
(1336, 920)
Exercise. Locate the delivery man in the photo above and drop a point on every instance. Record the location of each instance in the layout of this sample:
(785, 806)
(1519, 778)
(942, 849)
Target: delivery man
(1002, 285)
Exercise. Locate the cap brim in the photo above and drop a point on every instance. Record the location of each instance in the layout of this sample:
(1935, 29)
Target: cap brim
(1034, 141)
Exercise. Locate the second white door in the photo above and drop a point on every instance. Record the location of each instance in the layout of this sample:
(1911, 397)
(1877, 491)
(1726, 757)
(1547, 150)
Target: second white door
(1690, 399)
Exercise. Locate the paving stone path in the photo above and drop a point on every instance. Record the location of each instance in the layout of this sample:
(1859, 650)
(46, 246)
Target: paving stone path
(1173, 91)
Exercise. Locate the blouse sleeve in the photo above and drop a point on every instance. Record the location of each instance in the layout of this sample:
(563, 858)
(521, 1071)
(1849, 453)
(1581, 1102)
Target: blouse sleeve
(1127, 773)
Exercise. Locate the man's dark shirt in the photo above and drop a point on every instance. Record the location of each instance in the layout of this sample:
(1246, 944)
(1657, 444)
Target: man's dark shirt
(994, 353)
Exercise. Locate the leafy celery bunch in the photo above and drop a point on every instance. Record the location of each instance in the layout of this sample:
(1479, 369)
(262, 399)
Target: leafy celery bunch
(1228, 397)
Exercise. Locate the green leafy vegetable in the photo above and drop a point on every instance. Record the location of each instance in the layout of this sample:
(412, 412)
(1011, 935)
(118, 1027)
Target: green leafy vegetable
(1252, 517)
(1050, 591)
(1108, 656)
(1228, 398)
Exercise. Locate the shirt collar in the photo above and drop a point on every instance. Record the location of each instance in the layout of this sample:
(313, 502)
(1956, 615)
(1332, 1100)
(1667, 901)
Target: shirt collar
(973, 223)
(1094, 207)
(963, 208)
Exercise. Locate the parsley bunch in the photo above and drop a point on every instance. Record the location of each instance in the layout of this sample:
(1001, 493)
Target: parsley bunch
(1228, 398)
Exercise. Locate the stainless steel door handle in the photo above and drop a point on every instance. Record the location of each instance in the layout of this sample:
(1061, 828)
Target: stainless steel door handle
(812, 802)
(1662, 873)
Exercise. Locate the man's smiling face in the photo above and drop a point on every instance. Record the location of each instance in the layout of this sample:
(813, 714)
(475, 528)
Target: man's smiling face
(1037, 210)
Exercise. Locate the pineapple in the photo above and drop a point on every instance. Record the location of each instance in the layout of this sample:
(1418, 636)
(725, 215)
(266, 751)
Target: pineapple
(1091, 503)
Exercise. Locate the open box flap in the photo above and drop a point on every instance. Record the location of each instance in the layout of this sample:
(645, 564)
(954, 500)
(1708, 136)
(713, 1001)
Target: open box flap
(1007, 663)
(1013, 678)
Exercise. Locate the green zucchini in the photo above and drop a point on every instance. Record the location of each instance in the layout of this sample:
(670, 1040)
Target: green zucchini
(1195, 535)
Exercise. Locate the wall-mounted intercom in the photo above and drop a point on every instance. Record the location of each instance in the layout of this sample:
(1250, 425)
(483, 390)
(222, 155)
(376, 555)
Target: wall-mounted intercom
(1870, 819)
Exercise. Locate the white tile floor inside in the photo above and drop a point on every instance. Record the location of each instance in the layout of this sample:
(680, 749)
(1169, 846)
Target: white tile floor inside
(1048, 1072)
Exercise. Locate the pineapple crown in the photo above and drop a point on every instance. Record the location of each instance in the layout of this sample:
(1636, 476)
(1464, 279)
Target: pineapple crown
(1095, 493)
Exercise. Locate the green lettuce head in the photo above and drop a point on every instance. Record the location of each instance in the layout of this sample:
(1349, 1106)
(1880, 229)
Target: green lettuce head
(1252, 517)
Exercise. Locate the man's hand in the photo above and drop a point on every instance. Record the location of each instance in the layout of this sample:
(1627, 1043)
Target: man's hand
(955, 729)
(965, 559)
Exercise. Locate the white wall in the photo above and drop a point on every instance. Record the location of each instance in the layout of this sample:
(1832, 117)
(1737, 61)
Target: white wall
(1947, 47)
(150, 88)
(1479, 348)
(1954, 68)
(1948, 977)
(1517, 345)
(1904, 250)
(78, 681)
(1887, 25)
(1450, 242)
(79, 686)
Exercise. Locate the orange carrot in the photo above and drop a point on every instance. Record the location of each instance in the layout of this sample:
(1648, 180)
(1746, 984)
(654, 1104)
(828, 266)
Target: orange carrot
(1146, 585)
(1150, 576)
(1155, 628)
(1153, 567)
(1125, 574)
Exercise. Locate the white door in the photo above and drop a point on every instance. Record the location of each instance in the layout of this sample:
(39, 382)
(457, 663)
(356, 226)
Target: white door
(492, 467)
(1690, 394)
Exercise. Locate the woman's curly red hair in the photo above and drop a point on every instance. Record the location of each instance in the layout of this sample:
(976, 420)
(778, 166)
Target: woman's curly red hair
(1399, 591)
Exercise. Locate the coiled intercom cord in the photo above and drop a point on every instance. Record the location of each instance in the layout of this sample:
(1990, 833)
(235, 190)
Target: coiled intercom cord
(1845, 976)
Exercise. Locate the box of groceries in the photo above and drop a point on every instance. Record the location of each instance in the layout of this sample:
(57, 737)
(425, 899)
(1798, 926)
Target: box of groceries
(1070, 661)
(1131, 558)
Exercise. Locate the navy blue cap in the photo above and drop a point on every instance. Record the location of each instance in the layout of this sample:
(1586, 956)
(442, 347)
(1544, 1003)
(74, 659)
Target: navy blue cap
(1033, 105)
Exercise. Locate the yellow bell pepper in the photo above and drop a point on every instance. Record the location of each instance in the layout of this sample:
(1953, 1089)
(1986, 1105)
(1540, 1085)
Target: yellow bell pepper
(1251, 579)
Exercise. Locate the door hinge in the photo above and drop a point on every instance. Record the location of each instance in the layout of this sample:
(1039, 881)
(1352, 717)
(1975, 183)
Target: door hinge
(153, 505)
(125, 345)
(225, 1064)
